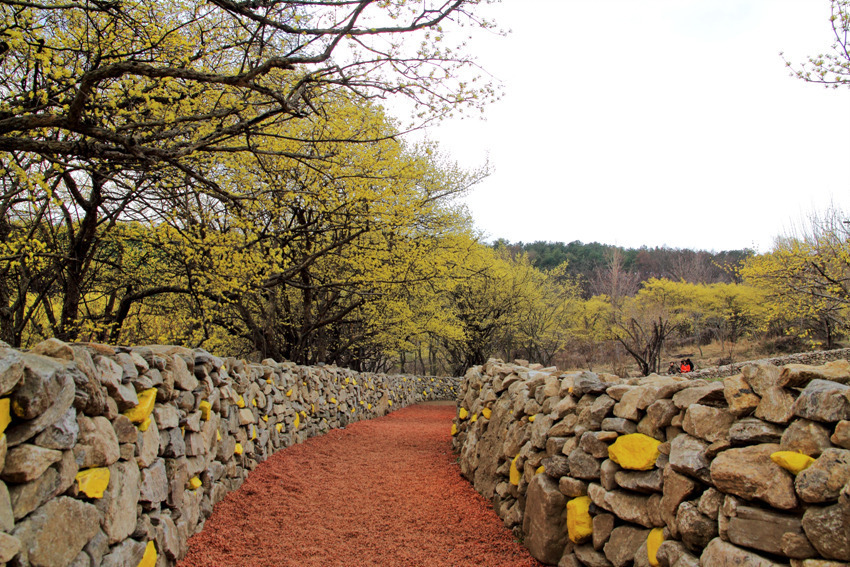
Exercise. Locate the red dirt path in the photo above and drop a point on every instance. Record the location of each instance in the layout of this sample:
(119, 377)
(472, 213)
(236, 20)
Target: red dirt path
(385, 492)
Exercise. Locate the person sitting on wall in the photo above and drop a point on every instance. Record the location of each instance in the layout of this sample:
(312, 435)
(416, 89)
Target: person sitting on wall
(672, 369)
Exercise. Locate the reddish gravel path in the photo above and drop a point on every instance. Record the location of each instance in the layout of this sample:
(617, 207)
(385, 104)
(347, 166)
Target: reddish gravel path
(385, 492)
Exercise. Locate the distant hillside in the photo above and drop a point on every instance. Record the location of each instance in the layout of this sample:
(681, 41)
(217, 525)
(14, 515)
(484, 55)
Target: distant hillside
(588, 261)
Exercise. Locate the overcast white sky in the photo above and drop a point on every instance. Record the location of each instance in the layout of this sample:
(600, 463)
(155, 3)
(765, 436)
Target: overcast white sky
(655, 122)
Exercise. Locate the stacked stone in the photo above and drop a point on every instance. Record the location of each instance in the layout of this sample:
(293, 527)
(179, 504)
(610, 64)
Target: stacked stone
(589, 469)
(115, 456)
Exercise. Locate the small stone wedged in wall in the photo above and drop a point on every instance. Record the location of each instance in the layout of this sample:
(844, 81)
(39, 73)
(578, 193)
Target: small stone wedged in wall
(211, 421)
(714, 488)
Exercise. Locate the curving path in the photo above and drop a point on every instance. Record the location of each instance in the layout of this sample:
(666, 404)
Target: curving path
(385, 492)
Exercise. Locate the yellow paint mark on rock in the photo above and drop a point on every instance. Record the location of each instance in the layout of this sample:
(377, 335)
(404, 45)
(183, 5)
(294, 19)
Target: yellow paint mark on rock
(540, 469)
(515, 475)
(145, 424)
(390, 403)
(454, 429)
(205, 408)
(93, 482)
(792, 461)
(195, 483)
(579, 522)
(149, 558)
(279, 427)
(240, 402)
(368, 406)
(297, 423)
(635, 451)
(238, 449)
(333, 401)
(266, 418)
(217, 435)
(269, 381)
(289, 393)
(5, 415)
(254, 402)
(531, 418)
(147, 399)
(486, 413)
(653, 542)
(474, 418)
(463, 414)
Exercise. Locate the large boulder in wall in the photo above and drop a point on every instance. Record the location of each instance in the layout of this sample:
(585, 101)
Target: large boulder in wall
(545, 521)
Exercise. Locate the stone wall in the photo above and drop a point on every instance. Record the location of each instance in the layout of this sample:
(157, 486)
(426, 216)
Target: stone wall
(115, 456)
(812, 358)
(590, 469)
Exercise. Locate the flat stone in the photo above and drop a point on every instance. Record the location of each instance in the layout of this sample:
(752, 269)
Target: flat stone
(118, 505)
(572, 487)
(97, 444)
(672, 552)
(719, 553)
(687, 456)
(111, 377)
(607, 474)
(676, 489)
(583, 466)
(28, 462)
(154, 483)
(710, 502)
(800, 375)
(740, 396)
(11, 369)
(9, 547)
(707, 423)
(709, 395)
(589, 557)
(43, 380)
(619, 425)
(824, 401)
(56, 533)
(184, 379)
(167, 416)
(641, 481)
(828, 529)
(763, 530)
(128, 552)
(603, 525)
(147, 445)
(56, 407)
(635, 508)
(623, 544)
(824, 479)
(58, 478)
(545, 520)
(749, 472)
(659, 414)
(62, 434)
(592, 445)
(750, 431)
(841, 436)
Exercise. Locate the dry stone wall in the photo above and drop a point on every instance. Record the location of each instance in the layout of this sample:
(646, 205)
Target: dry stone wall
(115, 456)
(593, 470)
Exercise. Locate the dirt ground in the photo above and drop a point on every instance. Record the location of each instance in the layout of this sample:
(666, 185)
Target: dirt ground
(386, 492)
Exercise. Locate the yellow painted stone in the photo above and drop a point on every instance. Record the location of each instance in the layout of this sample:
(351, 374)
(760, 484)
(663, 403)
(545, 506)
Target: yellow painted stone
(515, 475)
(531, 418)
(147, 399)
(474, 418)
(304, 414)
(297, 421)
(353, 382)
(240, 402)
(269, 381)
(486, 413)
(454, 429)
(265, 418)
(390, 403)
(149, 558)
(463, 414)
(352, 410)
(254, 402)
(217, 435)
(145, 424)
(653, 542)
(289, 392)
(195, 483)
(347, 380)
(205, 408)
(93, 482)
(312, 409)
(368, 406)
(579, 522)
(238, 449)
(540, 469)
(792, 461)
(253, 432)
(635, 451)
(279, 427)
(5, 416)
